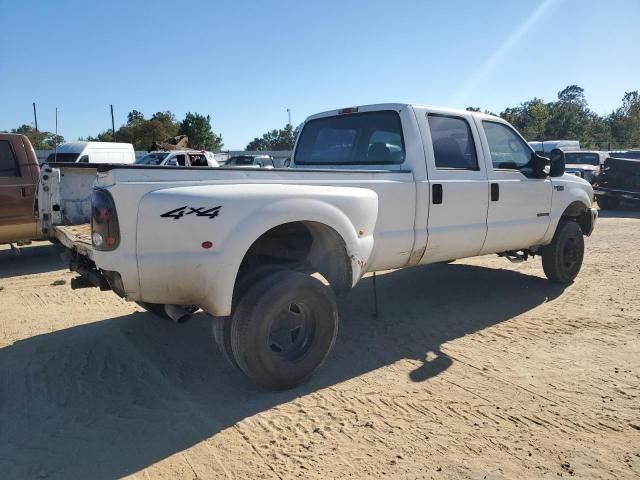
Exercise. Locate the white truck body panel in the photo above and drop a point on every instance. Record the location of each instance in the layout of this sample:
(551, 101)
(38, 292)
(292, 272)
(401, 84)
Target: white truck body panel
(385, 215)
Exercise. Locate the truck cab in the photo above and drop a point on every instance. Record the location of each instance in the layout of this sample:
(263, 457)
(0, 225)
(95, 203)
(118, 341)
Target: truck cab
(19, 173)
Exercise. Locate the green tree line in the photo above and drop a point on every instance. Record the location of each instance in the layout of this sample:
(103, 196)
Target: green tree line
(567, 118)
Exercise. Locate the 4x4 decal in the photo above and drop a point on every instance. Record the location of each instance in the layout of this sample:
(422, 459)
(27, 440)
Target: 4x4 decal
(178, 213)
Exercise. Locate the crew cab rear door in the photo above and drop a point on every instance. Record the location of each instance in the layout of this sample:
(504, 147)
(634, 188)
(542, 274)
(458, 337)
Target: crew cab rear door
(17, 192)
(458, 185)
(520, 204)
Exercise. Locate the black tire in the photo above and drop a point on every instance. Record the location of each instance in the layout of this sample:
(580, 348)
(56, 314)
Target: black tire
(221, 327)
(562, 258)
(608, 203)
(283, 329)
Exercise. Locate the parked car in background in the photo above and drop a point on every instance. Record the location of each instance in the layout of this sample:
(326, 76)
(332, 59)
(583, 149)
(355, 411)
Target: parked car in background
(179, 158)
(19, 174)
(585, 163)
(545, 148)
(93, 152)
(258, 161)
(618, 181)
(633, 154)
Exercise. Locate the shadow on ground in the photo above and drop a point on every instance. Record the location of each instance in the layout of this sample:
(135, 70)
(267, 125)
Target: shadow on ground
(110, 398)
(33, 259)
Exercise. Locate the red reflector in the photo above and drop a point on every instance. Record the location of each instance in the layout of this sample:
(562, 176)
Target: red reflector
(344, 111)
(207, 244)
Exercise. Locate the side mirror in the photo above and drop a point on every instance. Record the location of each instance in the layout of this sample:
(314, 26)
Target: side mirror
(540, 166)
(557, 163)
(171, 163)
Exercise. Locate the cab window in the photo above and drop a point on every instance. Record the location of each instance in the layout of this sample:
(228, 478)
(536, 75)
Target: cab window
(8, 161)
(366, 138)
(508, 150)
(453, 146)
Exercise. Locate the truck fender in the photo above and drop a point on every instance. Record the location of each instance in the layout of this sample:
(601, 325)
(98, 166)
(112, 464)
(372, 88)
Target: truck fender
(569, 200)
(173, 268)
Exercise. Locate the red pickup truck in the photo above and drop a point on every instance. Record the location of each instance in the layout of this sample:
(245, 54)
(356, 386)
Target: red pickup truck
(19, 175)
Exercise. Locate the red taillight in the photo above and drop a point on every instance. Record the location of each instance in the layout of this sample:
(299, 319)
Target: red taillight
(105, 232)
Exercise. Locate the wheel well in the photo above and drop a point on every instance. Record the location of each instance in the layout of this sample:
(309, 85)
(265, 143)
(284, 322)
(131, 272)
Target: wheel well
(309, 247)
(578, 211)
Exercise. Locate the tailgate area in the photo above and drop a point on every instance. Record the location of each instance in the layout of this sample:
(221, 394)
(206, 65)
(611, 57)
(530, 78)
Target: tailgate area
(76, 237)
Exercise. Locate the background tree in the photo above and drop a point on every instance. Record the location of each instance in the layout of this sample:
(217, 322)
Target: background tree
(568, 116)
(142, 132)
(39, 140)
(282, 139)
(198, 128)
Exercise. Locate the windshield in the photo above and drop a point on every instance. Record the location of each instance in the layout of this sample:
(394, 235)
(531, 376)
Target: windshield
(62, 157)
(579, 158)
(368, 138)
(152, 159)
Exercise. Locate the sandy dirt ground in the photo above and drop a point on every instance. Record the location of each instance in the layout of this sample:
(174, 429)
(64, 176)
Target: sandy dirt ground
(479, 369)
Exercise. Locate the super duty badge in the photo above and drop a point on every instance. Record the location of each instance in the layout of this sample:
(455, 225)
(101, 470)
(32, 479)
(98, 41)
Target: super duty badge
(178, 213)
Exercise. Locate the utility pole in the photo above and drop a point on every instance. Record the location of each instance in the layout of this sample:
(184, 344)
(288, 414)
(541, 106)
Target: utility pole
(113, 125)
(35, 116)
(55, 140)
(289, 115)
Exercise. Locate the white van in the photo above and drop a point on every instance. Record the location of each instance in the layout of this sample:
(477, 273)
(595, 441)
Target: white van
(93, 152)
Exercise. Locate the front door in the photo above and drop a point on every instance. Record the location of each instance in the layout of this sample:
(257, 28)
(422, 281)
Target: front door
(520, 204)
(16, 196)
(458, 188)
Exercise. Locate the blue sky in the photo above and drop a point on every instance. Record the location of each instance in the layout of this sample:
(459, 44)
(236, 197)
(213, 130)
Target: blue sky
(246, 62)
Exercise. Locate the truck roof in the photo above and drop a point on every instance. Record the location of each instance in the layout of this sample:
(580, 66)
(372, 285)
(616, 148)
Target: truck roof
(398, 106)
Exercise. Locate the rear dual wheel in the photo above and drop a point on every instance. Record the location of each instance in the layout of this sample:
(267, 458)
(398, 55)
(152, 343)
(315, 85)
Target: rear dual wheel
(282, 329)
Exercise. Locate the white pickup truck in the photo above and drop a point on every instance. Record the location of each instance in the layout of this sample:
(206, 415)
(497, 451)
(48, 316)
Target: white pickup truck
(264, 251)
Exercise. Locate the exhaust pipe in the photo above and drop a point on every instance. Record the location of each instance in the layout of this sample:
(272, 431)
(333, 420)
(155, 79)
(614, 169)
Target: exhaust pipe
(177, 313)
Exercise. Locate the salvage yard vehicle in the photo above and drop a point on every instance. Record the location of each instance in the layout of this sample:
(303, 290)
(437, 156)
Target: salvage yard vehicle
(585, 163)
(266, 251)
(179, 158)
(93, 152)
(618, 181)
(19, 174)
(258, 161)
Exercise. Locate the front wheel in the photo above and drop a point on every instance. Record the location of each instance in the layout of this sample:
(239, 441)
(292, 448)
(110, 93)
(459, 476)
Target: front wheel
(283, 328)
(562, 258)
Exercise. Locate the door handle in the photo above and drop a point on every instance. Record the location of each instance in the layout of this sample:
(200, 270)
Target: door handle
(436, 193)
(495, 192)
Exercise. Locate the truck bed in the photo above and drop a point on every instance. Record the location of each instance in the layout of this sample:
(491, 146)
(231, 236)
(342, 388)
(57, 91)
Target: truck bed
(77, 237)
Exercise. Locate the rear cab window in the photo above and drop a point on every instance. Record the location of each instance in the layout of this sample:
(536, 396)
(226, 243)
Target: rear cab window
(453, 145)
(365, 138)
